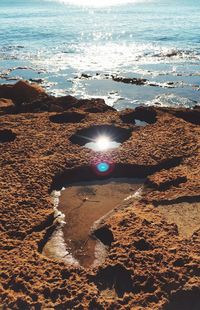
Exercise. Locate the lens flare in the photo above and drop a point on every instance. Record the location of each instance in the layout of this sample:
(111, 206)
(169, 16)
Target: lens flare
(103, 143)
(103, 167)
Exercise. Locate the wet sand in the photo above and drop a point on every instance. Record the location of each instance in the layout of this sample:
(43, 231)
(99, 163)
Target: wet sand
(85, 203)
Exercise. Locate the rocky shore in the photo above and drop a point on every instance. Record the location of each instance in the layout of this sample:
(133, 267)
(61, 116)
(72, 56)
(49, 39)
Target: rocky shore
(153, 258)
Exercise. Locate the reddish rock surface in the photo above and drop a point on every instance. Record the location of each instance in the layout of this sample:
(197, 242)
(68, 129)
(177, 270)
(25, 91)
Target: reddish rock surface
(5, 103)
(21, 92)
(151, 263)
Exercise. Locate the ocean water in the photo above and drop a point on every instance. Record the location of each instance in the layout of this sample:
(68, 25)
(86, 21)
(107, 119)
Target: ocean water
(76, 47)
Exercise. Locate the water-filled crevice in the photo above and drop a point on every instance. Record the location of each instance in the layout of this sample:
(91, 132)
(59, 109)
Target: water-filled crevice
(80, 209)
(84, 198)
(142, 114)
(7, 135)
(67, 117)
(117, 134)
(87, 173)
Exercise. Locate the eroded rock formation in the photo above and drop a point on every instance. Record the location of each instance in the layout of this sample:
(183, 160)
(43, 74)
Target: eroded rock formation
(151, 263)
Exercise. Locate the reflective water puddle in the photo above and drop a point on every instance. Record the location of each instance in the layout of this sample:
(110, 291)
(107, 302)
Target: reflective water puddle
(102, 143)
(80, 206)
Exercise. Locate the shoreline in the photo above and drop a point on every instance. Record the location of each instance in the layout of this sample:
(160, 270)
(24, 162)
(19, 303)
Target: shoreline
(162, 83)
(153, 259)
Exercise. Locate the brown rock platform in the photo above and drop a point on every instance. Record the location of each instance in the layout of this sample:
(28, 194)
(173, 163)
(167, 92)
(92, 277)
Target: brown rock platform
(154, 260)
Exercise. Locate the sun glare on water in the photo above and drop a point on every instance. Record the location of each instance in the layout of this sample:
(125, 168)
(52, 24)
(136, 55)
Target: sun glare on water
(99, 3)
(103, 143)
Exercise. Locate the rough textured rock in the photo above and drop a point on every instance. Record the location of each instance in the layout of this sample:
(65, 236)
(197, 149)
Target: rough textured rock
(146, 114)
(6, 106)
(24, 97)
(150, 265)
(21, 92)
(5, 103)
(136, 81)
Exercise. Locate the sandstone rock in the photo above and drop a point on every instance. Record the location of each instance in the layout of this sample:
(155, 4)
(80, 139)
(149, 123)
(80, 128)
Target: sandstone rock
(6, 103)
(147, 114)
(6, 106)
(25, 92)
(189, 115)
(38, 156)
(32, 98)
(21, 92)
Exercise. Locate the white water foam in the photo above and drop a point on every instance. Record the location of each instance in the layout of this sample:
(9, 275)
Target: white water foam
(136, 196)
(171, 100)
(110, 57)
(56, 246)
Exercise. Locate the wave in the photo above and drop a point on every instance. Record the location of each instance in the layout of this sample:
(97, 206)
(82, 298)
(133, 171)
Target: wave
(172, 100)
(99, 3)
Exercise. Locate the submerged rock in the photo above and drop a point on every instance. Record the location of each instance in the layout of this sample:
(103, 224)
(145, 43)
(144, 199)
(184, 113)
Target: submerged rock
(136, 81)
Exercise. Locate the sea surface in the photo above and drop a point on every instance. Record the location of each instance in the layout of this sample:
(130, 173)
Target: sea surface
(77, 47)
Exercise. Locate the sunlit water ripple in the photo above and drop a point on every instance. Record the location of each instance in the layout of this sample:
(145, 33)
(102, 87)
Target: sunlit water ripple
(55, 42)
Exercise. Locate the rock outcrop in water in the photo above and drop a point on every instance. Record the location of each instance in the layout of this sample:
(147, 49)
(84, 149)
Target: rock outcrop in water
(136, 81)
(153, 260)
(27, 98)
(21, 92)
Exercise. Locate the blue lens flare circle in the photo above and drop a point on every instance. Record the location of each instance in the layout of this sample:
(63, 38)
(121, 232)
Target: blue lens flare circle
(103, 167)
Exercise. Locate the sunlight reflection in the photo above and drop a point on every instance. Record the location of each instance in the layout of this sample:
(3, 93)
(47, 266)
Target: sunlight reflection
(99, 3)
(102, 143)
